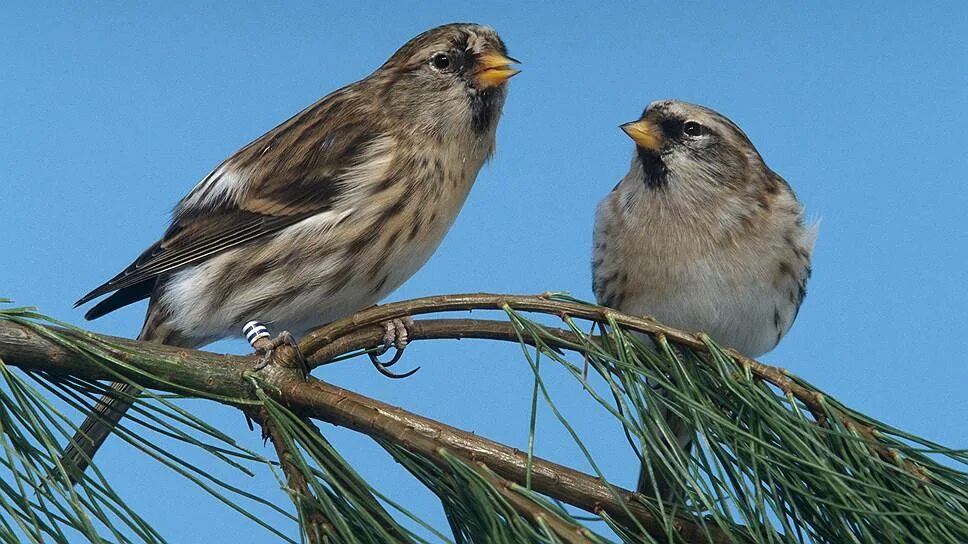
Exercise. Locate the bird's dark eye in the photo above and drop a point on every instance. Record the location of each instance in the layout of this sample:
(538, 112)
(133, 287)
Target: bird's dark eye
(692, 128)
(440, 61)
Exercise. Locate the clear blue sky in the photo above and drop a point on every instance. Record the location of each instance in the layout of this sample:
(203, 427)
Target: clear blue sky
(109, 114)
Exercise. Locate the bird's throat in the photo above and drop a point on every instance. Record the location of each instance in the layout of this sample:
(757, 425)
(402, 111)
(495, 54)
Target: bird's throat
(485, 104)
(655, 173)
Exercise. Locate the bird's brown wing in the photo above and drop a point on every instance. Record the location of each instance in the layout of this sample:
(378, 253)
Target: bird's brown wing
(199, 239)
(292, 174)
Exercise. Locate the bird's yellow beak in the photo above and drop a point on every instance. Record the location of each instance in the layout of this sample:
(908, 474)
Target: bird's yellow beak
(644, 133)
(493, 69)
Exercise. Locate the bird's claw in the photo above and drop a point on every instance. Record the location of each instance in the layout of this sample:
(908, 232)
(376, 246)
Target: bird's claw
(396, 336)
(267, 347)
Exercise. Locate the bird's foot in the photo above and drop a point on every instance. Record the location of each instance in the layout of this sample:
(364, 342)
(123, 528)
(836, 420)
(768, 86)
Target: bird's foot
(258, 336)
(397, 336)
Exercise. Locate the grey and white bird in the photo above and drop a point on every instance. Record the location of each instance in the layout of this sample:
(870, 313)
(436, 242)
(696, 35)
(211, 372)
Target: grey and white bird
(325, 214)
(702, 235)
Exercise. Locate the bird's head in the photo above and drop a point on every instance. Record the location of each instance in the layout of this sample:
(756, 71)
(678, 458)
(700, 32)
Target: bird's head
(455, 72)
(686, 144)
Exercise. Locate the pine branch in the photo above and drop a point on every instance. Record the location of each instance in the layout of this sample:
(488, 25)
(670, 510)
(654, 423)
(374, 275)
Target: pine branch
(316, 526)
(227, 379)
(793, 466)
(565, 531)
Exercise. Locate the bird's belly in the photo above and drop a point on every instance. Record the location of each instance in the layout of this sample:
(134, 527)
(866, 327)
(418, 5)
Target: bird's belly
(380, 272)
(298, 281)
(736, 309)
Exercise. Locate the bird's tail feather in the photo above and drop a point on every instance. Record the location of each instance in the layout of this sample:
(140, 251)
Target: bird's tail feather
(95, 429)
(669, 489)
(112, 406)
(665, 487)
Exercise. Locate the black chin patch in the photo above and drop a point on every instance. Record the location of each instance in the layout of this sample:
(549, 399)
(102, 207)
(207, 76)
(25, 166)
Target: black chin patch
(654, 170)
(482, 110)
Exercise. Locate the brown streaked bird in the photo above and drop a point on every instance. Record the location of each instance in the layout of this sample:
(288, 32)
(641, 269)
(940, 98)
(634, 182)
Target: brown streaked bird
(702, 235)
(323, 215)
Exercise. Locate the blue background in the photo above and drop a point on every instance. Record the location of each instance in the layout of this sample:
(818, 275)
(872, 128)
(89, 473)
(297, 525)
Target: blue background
(109, 114)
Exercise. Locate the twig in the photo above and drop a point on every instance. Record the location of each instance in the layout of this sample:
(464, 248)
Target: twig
(436, 329)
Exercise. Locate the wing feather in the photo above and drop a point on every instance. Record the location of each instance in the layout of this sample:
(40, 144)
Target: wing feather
(289, 174)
